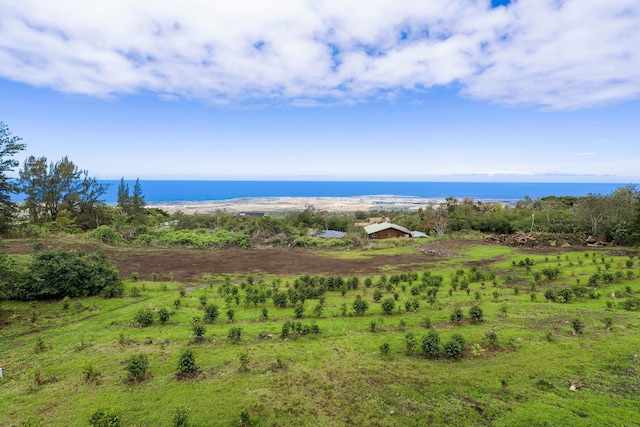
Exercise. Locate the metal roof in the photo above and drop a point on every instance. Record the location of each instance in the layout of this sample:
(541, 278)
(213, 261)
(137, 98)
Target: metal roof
(376, 228)
(418, 234)
(330, 234)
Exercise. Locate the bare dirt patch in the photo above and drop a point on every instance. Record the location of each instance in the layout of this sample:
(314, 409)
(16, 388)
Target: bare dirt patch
(189, 264)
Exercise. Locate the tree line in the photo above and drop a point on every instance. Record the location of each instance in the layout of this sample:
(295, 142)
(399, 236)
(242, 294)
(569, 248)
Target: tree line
(62, 197)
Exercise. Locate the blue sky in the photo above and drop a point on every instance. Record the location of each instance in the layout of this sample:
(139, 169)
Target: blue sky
(532, 90)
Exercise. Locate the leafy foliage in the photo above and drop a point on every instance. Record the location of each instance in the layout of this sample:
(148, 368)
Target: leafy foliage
(187, 363)
(144, 317)
(455, 347)
(430, 344)
(388, 305)
(476, 314)
(360, 306)
(105, 418)
(59, 273)
(9, 146)
(136, 367)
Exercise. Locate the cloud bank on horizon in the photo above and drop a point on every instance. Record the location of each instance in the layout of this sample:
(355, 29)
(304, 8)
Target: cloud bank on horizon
(550, 54)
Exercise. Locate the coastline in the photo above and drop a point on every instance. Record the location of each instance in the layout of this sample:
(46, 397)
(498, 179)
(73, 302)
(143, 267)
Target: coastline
(283, 205)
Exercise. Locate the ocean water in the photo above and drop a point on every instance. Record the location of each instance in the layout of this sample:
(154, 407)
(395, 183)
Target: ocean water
(199, 191)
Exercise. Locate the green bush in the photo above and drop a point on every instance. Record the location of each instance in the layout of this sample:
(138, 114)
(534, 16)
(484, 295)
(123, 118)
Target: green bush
(388, 305)
(180, 418)
(476, 314)
(377, 295)
(211, 313)
(105, 418)
(136, 367)
(578, 325)
(106, 234)
(163, 316)
(492, 338)
(455, 347)
(385, 349)
(235, 335)
(430, 344)
(456, 315)
(60, 273)
(298, 310)
(360, 306)
(198, 330)
(187, 363)
(280, 299)
(144, 317)
(411, 342)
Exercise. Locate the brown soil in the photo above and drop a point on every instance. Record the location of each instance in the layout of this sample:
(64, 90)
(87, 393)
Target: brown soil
(189, 264)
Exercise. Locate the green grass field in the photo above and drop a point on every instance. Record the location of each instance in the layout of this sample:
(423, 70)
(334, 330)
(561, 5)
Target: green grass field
(342, 376)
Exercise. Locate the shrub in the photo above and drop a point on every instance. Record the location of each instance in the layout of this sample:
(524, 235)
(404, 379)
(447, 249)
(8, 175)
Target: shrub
(211, 313)
(198, 330)
(144, 317)
(411, 342)
(60, 273)
(104, 418)
(89, 371)
(136, 366)
(426, 322)
(244, 362)
(377, 295)
(180, 417)
(135, 276)
(492, 338)
(163, 316)
(430, 344)
(476, 314)
(65, 303)
(564, 295)
(187, 363)
(234, 335)
(457, 315)
(264, 315)
(298, 310)
(550, 295)
(231, 314)
(551, 273)
(203, 301)
(631, 304)
(385, 349)
(360, 306)
(455, 347)
(280, 299)
(577, 325)
(388, 305)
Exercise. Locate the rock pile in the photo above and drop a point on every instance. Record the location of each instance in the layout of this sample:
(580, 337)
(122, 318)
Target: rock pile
(437, 251)
(518, 239)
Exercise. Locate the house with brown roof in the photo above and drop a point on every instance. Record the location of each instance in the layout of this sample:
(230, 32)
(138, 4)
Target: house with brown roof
(386, 230)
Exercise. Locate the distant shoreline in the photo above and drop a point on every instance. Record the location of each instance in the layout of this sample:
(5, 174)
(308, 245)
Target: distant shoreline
(283, 205)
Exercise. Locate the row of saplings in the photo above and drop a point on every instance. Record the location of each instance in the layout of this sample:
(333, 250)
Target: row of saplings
(137, 369)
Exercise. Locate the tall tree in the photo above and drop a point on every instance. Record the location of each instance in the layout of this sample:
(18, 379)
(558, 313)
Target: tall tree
(60, 186)
(124, 199)
(137, 198)
(9, 146)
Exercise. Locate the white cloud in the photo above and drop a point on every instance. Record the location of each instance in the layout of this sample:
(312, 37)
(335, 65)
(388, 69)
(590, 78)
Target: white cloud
(558, 55)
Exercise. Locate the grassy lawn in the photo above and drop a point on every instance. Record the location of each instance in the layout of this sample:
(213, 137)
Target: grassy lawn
(343, 375)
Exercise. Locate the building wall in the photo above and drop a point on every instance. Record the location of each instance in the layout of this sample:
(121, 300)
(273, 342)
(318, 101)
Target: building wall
(389, 233)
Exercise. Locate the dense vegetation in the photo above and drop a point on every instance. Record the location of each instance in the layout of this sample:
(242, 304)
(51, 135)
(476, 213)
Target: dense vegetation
(499, 337)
